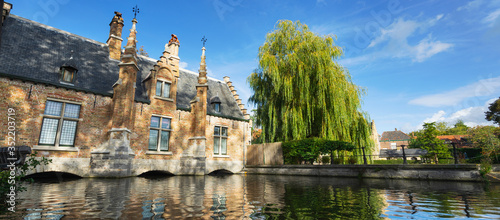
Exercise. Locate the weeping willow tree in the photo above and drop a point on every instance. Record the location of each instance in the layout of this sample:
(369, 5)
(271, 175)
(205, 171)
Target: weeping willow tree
(300, 91)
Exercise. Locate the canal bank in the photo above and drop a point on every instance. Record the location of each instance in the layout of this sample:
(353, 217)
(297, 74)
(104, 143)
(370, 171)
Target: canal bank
(459, 172)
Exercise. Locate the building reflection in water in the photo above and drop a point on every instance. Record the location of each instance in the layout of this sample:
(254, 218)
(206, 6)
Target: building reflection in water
(253, 196)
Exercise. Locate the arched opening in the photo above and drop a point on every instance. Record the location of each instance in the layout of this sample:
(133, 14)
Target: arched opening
(221, 172)
(53, 177)
(154, 174)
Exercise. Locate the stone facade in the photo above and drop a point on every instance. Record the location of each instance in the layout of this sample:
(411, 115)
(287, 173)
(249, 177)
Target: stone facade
(113, 128)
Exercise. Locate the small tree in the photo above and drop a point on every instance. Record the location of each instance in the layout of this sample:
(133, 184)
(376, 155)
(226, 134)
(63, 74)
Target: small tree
(459, 128)
(493, 113)
(427, 140)
(488, 139)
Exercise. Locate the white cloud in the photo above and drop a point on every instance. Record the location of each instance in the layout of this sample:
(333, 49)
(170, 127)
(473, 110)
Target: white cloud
(471, 116)
(470, 5)
(492, 17)
(427, 48)
(438, 116)
(183, 65)
(450, 98)
(394, 40)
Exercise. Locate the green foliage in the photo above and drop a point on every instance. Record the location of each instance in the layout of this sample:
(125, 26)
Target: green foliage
(443, 128)
(485, 167)
(299, 151)
(488, 139)
(459, 128)
(493, 113)
(301, 91)
(325, 159)
(30, 164)
(473, 154)
(309, 149)
(427, 140)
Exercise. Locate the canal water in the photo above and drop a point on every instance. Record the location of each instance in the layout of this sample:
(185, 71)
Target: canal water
(257, 197)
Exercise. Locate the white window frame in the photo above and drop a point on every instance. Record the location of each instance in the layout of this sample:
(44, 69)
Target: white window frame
(61, 118)
(394, 146)
(220, 137)
(160, 129)
(162, 92)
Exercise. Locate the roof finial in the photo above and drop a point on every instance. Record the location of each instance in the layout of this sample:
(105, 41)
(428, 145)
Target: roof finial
(203, 40)
(135, 10)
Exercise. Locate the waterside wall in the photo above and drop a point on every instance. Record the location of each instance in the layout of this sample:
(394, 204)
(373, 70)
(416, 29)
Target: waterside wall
(459, 172)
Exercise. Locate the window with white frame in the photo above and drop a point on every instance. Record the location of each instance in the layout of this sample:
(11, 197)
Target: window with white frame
(393, 146)
(59, 124)
(159, 133)
(163, 89)
(220, 140)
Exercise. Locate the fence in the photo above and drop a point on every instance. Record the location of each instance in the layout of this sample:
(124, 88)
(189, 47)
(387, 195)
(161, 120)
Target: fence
(264, 154)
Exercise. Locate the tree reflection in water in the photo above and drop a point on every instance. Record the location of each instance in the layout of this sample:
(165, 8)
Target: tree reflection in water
(256, 197)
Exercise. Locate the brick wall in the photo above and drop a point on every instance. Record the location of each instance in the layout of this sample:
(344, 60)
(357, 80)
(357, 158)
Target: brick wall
(387, 144)
(91, 129)
(95, 122)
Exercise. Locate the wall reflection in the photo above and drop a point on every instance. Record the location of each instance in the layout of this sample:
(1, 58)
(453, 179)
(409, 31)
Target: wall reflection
(255, 197)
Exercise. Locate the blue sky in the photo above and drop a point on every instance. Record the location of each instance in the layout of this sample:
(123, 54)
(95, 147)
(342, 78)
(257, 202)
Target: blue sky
(418, 61)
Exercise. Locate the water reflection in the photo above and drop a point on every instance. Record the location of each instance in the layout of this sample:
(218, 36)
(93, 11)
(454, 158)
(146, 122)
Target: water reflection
(256, 197)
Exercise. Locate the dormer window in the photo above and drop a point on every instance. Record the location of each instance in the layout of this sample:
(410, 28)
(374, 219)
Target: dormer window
(215, 102)
(163, 89)
(217, 107)
(68, 74)
(68, 70)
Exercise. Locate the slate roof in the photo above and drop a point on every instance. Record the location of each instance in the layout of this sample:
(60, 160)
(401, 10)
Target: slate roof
(186, 91)
(399, 153)
(394, 136)
(35, 52)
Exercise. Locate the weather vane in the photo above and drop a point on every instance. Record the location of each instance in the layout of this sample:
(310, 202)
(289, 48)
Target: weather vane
(203, 40)
(135, 10)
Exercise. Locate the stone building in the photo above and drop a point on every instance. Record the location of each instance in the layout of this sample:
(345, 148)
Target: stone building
(98, 110)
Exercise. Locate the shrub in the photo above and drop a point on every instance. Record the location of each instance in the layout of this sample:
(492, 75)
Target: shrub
(352, 160)
(325, 159)
(308, 150)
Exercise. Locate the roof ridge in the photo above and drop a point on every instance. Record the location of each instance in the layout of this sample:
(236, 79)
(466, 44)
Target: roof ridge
(56, 29)
(194, 73)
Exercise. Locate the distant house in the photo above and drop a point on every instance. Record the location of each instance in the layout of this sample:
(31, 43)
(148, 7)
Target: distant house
(393, 140)
(460, 141)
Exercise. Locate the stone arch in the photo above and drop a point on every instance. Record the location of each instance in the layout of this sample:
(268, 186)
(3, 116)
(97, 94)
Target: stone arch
(54, 176)
(156, 173)
(220, 172)
(76, 166)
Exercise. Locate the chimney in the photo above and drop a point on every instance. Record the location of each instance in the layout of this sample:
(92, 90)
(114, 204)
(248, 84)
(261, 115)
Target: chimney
(172, 54)
(115, 36)
(6, 7)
